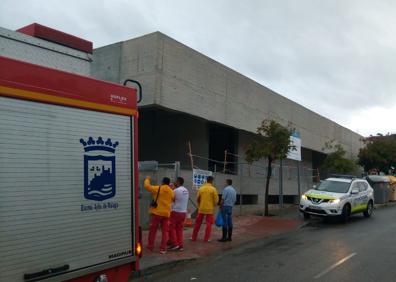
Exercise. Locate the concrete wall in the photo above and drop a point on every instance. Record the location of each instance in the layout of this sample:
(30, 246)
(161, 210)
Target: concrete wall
(201, 86)
(107, 63)
(177, 77)
(134, 59)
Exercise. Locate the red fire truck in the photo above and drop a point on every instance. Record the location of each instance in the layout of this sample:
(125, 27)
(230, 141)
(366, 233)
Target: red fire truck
(68, 176)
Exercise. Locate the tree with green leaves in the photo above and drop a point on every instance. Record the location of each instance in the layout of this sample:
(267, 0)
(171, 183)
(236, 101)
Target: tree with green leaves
(273, 143)
(336, 162)
(378, 153)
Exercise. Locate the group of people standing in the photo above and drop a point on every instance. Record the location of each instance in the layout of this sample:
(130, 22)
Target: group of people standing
(169, 208)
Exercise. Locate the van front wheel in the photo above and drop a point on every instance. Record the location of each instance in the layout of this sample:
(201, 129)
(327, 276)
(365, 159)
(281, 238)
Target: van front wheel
(369, 211)
(346, 212)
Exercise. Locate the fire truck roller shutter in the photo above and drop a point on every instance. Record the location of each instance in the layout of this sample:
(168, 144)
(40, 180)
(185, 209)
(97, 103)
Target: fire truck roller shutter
(65, 188)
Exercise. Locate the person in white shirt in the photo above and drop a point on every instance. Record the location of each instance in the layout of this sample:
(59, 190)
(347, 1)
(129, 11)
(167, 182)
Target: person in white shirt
(178, 215)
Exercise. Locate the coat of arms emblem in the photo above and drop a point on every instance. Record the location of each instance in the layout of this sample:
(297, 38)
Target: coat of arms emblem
(99, 168)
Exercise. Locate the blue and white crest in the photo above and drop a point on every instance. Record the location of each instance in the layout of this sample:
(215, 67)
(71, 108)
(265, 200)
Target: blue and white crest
(99, 169)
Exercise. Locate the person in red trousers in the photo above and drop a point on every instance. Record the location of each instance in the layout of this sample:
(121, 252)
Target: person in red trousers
(178, 215)
(160, 210)
(207, 200)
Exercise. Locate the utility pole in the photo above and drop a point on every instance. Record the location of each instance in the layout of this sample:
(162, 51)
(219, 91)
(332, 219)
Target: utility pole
(298, 179)
(281, 184)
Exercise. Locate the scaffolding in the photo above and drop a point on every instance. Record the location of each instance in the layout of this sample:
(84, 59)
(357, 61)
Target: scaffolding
(303, 176)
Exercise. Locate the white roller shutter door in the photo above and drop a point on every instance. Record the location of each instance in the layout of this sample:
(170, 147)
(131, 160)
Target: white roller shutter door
(46, 219)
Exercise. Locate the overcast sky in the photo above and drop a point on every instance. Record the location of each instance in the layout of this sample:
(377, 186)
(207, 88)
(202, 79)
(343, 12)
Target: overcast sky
(336, 57)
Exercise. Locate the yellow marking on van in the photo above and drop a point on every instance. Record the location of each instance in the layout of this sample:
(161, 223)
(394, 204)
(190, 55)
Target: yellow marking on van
(319, 196)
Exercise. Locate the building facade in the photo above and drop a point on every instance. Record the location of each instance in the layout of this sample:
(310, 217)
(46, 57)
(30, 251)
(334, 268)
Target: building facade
(189, 98)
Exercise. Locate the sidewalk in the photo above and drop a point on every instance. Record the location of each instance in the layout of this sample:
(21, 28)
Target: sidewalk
(388, 204)
(246, 228)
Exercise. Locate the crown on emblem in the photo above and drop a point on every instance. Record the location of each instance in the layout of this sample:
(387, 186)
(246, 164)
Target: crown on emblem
(99, 145)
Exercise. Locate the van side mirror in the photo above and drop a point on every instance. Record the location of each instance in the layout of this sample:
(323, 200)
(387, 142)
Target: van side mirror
(355, 191)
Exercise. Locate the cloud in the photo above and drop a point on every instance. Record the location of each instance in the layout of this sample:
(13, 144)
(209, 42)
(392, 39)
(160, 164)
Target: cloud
(334, 57)
(373, 120)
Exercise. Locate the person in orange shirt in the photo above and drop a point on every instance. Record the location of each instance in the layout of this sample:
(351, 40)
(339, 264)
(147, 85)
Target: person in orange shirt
(160, 209)
(207, 199)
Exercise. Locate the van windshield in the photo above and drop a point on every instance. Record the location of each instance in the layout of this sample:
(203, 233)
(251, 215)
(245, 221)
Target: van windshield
(333, 186)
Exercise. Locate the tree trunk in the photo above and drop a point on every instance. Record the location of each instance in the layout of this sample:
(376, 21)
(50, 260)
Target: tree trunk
(269, 172)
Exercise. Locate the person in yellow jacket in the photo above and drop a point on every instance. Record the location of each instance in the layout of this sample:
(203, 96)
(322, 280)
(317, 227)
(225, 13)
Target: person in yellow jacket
(160, 210)
(207, 199)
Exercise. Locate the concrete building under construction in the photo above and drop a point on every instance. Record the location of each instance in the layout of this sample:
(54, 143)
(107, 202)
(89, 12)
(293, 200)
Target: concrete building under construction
(190, 97)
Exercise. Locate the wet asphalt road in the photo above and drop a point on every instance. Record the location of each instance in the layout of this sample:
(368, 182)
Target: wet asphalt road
(361, 250)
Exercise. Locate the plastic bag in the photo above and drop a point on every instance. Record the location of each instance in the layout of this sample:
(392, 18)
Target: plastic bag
(219, 219)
